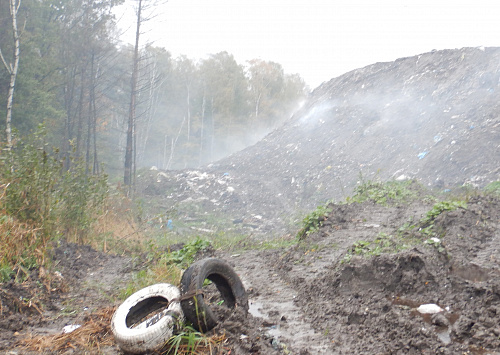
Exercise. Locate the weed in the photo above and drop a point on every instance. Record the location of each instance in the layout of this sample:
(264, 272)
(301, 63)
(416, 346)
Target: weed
(435, 242)
(427, 222)
(165, 267)
(384, 193)
(493, 188)
(189, 341)
(185, 256)
(441, 207)
(313, 221)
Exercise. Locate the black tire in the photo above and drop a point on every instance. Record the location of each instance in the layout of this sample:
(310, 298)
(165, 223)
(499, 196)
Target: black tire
(135, 336)
(228, 284)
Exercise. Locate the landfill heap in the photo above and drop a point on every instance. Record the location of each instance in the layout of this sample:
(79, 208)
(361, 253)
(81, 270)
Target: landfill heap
(433, 117)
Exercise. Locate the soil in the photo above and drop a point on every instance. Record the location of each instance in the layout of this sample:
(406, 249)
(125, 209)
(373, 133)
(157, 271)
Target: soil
(433, 118)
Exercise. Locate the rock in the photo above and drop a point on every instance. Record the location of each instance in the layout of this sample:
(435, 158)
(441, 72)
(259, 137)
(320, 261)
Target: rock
(440, 320)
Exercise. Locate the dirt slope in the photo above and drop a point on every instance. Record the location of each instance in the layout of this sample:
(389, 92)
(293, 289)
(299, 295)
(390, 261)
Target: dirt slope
(433, 117)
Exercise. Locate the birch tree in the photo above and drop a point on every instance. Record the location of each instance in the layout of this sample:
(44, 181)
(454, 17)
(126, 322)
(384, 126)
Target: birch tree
(12, 67)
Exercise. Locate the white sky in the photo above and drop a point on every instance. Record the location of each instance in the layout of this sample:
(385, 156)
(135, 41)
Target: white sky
(320, 39)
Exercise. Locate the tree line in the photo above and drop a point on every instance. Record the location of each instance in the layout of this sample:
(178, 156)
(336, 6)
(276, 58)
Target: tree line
(103, 101)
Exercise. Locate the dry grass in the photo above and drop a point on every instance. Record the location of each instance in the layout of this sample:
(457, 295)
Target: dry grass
(115, 230)
(93, 335)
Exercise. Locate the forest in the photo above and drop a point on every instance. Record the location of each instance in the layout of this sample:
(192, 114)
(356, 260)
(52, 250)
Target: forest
(120, 107)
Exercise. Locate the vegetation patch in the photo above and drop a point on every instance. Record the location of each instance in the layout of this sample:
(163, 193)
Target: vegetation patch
(166, 267)
(313, 221)
(385, 193)
(42, 199)
(493, 188)
(407, 236)
(190, 341)
(427, 223)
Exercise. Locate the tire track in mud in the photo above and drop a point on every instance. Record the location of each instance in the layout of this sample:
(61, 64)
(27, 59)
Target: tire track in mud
(272, 301)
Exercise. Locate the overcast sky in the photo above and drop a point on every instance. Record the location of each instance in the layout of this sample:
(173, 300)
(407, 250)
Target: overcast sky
(320, 39)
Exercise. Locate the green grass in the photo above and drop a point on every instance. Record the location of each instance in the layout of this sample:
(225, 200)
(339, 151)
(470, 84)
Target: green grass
(188, 341)
(407, 236)
(313, 221)
(493, 188)
(385, 193)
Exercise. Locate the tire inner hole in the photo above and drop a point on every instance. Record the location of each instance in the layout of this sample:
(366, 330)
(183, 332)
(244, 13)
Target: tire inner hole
(217, 292)
(145, 310)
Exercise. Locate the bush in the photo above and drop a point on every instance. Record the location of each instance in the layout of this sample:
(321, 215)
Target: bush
(40, 202)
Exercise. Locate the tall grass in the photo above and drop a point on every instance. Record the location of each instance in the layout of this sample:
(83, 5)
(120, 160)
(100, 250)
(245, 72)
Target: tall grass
(40, 201)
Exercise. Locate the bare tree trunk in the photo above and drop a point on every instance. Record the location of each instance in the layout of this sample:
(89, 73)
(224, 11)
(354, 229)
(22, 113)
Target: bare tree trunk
(257, 104)
(92, 121)
(79, 128)
(188, 113)
(153, 90)
(12, 68)
(202, 134)
(212, 122)
(129, 150)
(164, 162)
(174, 143)
(95, 166)
(69, 89)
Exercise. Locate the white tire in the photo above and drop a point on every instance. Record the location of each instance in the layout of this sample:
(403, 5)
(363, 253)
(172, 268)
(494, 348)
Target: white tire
(152, 334)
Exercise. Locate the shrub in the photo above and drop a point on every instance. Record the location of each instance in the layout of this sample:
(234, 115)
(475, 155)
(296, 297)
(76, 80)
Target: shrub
(40, 202)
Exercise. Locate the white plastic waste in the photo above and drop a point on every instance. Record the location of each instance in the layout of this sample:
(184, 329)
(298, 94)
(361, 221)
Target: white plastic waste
(70, 328)
(430, 308)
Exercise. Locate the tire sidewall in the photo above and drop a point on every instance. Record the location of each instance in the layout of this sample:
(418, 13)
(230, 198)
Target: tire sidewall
(193, 279)
(143, 339)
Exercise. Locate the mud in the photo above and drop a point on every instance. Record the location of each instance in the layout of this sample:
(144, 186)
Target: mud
(431, 117)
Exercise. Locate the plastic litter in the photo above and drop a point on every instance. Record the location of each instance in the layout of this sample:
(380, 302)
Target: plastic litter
(422, 155)
(429, 308)
(70, 328)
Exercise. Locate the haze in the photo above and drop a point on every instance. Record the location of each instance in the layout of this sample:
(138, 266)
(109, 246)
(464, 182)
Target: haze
(319, 39)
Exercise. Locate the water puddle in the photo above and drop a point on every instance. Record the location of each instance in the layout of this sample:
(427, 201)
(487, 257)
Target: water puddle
(472, 273)
(442, 332)
(272, 330)
(254, 309)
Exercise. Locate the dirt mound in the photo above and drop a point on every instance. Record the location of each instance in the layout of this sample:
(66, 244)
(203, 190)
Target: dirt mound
(433, 117)
(368, 304)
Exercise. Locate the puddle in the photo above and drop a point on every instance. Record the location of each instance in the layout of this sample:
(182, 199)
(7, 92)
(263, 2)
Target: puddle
(254, 309)
(274, 331)
(405, 302)
(443, 333)
(472, 273)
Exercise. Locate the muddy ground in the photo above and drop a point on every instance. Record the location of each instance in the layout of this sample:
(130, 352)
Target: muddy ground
(313, 297)
(432, 117)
